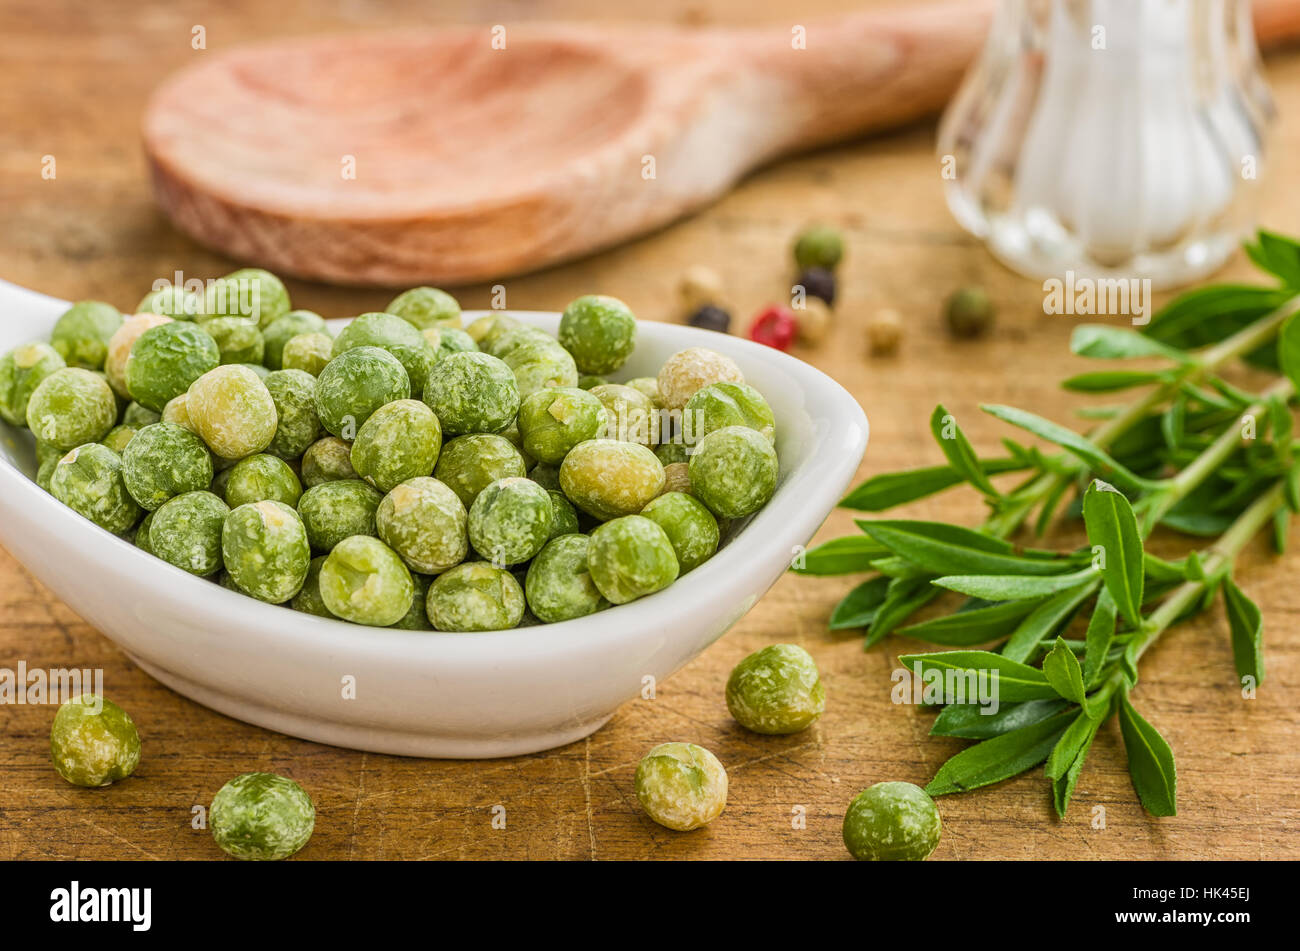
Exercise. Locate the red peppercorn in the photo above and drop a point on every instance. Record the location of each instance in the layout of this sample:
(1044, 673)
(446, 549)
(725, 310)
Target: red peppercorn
(774, 326)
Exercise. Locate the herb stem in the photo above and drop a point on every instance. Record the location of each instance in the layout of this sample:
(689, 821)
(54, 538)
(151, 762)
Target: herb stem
(1008, 521)
(1216, 559)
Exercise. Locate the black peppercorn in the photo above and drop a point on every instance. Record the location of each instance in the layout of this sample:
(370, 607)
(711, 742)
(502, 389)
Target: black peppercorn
(820, 283)
(710, 317)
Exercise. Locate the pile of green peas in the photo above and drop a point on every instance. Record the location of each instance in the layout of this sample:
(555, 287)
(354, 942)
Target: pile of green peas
(407, 472)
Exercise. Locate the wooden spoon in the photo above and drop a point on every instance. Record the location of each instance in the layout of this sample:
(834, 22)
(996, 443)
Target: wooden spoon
(413, 157)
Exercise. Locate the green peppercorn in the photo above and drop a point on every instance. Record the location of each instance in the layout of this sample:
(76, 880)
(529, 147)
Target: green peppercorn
(892, 822)
(818, 247)
(776, 690)
(93, 742)
(681, 786)
(969, 312)
(262, 816)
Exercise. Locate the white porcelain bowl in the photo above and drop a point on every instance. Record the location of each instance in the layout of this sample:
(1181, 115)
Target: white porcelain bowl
(423, 693)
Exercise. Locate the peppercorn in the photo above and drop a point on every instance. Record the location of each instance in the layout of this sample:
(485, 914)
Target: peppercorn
(774, 326)
(818, 247)
(710, 317)
(884, 332)
(814, 321)
(969, 312)
(820, 283)
(698, 287)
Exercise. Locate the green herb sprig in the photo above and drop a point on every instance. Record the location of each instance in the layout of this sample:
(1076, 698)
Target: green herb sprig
(1192, 453)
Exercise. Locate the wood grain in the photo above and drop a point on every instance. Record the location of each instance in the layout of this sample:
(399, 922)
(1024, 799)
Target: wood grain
(76, 79)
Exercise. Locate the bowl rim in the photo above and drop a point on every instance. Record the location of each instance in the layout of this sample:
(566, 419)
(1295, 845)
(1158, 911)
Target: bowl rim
(788, 516)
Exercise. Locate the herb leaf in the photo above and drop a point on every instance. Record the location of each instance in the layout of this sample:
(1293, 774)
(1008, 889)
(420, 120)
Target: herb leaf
(1045, 619)
(841, 556)
(967, 628)
(1118, 343)
(1014, 587)
(1001, 757)
(957, 449)
(1288, 348)
(1111, 524)
(1101, 631)
(1247, 631)
(904, 597)
(897, 488)
(1068, 439)
(858, 607)
(1150, 762)
(1066, 759)
(1062, 670)
(968, 721)
(951, 549)
(1108, 381)
(1015, 681)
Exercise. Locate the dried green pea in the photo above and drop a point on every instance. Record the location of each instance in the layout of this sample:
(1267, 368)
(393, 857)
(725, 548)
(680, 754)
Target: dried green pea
(776, 690)
(395, 335)
(308, 600)
(630, 415)
(172, 301)
(308, 352)
(294, 394)
(261, 816)
(608, 478)
(327, 460)
(425, 523)
(468, 464)
(472, 393)
(139, 416)
(510, 521)
(475, 596)
(416, 617)
(451, 340)
(548, 477)
(540, 363)
(631, 557)
(401, 440)
(81, 335)
(599, 331)
(733, 471)
(280, 332)
(356, 383)
(564, 517)
(260, 477)
(142, 534)
(892, 822)
(364, 581)
(71, 407)
(249, 292)
(681, 786)
(727, 404)
(93, 742)
(426, 307)
(333, 511)
(647, 386)
(238, 339)
(21, 372)
(186, 532)
(265, 549)
(487, 329)
(120, 344)
(231, 408)
(558, 586)
(166, 359)
(88, 480)
(118, 437)
(552, 421)
(163, 461)
(690, 527)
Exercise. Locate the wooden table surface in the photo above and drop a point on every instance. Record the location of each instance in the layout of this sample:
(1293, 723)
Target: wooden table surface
(75, 79)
